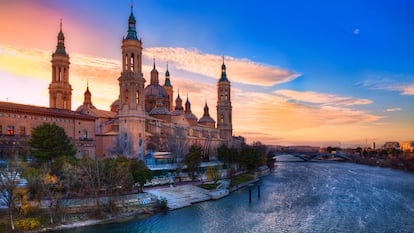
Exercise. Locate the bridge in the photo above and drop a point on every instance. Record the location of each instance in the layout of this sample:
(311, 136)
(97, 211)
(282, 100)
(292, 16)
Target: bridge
(315, 156)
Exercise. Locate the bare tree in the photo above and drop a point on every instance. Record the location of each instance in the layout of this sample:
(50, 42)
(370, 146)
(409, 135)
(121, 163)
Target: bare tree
(178, 144)
(9, 180)
(123, 145)
(92, 177)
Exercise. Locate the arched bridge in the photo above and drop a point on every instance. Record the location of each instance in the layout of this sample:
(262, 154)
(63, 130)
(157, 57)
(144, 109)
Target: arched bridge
(312, 156)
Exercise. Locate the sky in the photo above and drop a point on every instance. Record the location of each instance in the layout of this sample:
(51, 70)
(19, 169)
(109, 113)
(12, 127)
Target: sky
(323, 73)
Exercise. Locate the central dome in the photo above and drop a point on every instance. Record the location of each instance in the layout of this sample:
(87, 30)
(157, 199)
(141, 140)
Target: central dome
(152, 93)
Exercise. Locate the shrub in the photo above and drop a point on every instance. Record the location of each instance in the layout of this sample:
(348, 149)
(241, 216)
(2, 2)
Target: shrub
(163, 204)
(27, 224)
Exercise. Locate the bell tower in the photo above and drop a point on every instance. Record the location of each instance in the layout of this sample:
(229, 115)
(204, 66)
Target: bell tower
(60, 90)
(169, 89)
(224, 109)
(131, 87)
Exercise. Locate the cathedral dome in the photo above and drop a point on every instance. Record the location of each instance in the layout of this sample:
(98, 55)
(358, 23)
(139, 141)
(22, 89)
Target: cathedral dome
(155, 90)
(115, 106)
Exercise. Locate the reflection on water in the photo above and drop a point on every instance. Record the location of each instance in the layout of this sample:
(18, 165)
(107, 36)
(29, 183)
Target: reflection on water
(298, 197)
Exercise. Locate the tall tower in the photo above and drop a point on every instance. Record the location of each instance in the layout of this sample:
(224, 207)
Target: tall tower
(131, 102)
(169, 89)
(224, 110)
(60, 90)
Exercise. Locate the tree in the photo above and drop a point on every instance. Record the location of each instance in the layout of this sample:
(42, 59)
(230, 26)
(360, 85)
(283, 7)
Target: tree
(193, 159)
(45, 185)
(123, 145)
(178, 145)
(9, 179)
(91, 178)
(213, 173)
(229, 156)
(251, 157)
(49, 142)
(117, 175)
(141, 173)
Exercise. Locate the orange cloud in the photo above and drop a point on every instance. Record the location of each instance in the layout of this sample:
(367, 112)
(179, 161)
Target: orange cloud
(269, 117)
(241, 70)
(321, 98)
(407, 90)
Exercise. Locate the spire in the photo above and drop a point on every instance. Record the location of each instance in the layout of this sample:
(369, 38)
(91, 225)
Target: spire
(132, 33)
(223, 73)
(179, 102)
(167, 78)
(154, 75)
(206, 113)
(87, 101)
(187, 105)
(60, 47)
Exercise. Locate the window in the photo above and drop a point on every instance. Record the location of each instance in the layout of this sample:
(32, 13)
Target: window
(1, 129)
(10, 130)
(22, 130)
(126, 62)
(84, 135)
(222, 118)
(126, 96)
(132, 62)
(137, 97)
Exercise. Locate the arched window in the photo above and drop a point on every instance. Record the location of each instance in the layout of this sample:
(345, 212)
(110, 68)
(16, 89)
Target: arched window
(132, 62)
(126, 96)
(60, 75)
(137, 97)
(222, 118)
(126, 62)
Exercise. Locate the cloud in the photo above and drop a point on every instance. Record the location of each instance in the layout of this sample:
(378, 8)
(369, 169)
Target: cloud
(356, 31)
(257, 116)
(273, 113)
(238, 70)
(405, 88)
(393, 109)
(321, 98)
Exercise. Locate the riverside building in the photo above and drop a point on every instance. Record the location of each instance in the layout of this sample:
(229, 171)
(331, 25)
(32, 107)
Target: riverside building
(144, 118)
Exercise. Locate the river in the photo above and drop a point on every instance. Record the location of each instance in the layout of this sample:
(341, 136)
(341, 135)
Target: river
(297, 197)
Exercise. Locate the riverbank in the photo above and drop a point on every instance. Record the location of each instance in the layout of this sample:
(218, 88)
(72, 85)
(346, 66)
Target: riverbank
(406, 164)
(179, 196)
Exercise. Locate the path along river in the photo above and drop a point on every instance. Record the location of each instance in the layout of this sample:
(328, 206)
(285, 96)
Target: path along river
(297, 197)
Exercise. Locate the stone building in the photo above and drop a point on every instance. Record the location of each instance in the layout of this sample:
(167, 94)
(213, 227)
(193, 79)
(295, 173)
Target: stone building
(142, 119)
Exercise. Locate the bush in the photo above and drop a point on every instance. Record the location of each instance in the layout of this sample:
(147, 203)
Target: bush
(208, 186)
(241, 179)
(163, 204)
(27, 224)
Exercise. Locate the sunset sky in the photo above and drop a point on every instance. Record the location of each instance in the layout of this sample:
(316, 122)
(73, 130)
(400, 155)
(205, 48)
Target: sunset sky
(302, 72)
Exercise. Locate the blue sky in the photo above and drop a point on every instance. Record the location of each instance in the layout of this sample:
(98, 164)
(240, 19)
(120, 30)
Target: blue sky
(357, 56)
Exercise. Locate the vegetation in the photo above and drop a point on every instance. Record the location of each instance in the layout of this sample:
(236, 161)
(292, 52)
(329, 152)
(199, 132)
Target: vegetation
(140, 173)
(55, 176)
(27, 224)
(49, 142)
(243, 178)
(163, 204)
(209, 186)
(213, 173)
(9, 179)
(193, 159)
(248, 158)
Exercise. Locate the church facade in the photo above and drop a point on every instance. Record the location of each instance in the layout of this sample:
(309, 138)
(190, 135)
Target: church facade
(144, 118)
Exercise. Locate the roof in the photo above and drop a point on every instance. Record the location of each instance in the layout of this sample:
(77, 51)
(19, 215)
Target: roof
(95, 112)
(155, 90)
(31, 109)
(206, 119)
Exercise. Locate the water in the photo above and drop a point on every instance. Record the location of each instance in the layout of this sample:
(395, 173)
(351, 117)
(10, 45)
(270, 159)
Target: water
(297, 197)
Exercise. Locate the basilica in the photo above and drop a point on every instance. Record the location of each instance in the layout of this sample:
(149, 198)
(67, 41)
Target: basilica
(146, 117)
